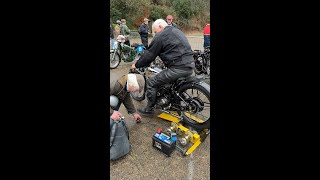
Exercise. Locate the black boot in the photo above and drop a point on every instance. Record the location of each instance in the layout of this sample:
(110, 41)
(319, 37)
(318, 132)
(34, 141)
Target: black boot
(148, 110)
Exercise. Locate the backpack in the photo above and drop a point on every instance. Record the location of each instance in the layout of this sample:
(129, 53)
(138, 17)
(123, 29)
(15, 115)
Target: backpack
(139, 30)
(119, 139)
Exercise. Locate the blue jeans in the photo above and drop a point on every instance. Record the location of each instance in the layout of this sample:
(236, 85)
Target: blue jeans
(206, 41)
(112, 43)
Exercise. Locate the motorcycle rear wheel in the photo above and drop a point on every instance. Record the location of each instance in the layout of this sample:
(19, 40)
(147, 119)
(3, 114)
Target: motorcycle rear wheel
(197, 113)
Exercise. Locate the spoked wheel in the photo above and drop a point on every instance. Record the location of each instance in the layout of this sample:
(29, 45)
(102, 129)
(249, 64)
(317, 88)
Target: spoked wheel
(114, 60)
(197, 105)
(198, 65)
(208, 67)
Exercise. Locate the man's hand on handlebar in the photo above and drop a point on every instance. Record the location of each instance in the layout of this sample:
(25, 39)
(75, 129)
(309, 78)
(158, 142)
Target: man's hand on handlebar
(133, 66)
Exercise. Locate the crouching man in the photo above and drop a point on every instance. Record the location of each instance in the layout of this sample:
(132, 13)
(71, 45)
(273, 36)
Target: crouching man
(121, 88)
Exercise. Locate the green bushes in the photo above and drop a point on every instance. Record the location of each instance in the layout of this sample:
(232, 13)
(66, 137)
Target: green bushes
(188, 14)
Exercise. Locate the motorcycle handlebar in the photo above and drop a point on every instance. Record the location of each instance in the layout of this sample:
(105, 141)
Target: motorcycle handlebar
(133, 70)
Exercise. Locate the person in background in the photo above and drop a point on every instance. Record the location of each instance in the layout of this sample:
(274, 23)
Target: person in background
(111, 37)
(125, 31)
(206, 33)
(144, 32)
(121, 88)
(170, 22)
(117, 28)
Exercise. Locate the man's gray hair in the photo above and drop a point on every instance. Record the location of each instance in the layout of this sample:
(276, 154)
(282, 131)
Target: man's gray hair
(158, 22)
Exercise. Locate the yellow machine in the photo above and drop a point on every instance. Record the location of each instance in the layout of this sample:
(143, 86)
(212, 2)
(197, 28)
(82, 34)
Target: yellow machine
(186, 135)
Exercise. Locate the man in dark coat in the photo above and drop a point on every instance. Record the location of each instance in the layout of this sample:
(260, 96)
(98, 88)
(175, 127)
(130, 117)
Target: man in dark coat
(144, 32)
(172, 46)
(121, 88)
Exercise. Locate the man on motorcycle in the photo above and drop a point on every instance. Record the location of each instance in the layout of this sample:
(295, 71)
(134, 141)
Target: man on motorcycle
(172, 46)
(121, 88)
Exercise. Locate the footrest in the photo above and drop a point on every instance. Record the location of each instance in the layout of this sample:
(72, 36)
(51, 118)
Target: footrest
(169, 117)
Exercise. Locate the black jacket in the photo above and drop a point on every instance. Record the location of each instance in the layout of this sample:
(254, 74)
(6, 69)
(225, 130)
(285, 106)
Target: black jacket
(143, 30)
(172, 46)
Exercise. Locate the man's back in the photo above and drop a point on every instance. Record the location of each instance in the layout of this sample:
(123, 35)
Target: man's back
(175, 45)
(172, 46)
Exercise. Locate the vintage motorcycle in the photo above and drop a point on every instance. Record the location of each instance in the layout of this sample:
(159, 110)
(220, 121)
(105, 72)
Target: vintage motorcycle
(202, 61)
(121, 51)
(188, 96)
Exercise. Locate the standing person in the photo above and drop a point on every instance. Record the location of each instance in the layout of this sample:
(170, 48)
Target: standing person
(170, 22)
(125, 31)
(144, 31)
(206, 34)
(121, 88)
(172, 46)
(111, 37)
(117, 28)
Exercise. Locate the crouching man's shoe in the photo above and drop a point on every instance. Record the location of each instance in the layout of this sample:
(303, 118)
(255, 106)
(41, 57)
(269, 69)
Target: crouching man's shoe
(146, 110)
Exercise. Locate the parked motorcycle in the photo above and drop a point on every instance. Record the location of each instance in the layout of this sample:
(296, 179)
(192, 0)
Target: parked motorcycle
(123, 52)
(202, 61)
(188, 96)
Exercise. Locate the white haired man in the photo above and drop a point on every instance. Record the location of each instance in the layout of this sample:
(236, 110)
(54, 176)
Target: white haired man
(121, 88)
(172, 46)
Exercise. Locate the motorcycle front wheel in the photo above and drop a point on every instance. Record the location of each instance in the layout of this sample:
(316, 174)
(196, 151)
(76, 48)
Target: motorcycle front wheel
(114, 59)
(198, 66)
(196, 99)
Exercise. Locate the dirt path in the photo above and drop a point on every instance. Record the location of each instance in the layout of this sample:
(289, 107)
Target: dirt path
(146, 163)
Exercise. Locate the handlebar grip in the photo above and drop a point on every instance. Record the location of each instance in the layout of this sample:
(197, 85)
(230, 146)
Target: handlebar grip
(131, 70)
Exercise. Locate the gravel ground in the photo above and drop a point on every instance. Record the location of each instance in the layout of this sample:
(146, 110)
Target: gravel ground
(146, 163)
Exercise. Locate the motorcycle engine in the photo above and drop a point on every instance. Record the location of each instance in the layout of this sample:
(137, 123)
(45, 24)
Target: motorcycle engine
(163, 101)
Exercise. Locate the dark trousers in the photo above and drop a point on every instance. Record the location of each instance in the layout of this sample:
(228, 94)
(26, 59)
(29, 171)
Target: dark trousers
(164, 77)
(206, 41)
(144, 41)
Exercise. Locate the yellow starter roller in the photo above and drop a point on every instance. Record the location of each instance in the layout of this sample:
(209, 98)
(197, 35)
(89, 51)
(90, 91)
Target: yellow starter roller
(187, 135)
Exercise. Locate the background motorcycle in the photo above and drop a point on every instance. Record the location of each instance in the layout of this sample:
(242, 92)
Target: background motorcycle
(202, 61)
(188, 96)
(121, 51)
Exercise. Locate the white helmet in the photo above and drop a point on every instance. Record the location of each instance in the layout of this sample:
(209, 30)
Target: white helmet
(114, 101)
